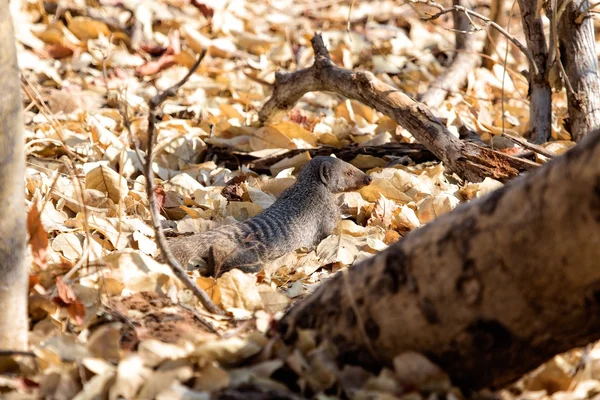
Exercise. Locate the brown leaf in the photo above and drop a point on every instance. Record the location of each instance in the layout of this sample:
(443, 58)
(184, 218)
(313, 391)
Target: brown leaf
(161, 196)
(38, 238)
(65, 293)
(67, 299)
(234, 189)
(76, 311)
(154, 67)
(383, 212)
(207, 11)
(33, 280)
(59, 51)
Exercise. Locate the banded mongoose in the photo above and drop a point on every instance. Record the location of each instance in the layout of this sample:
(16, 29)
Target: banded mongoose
(304, 214)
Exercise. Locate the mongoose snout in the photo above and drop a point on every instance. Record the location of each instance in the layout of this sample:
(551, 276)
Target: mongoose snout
(304, 214)
(367, 180)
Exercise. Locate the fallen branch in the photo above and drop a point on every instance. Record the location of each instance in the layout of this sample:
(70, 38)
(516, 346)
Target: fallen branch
(488, 291)
(161, 240)
(531, 146)
(467, 160)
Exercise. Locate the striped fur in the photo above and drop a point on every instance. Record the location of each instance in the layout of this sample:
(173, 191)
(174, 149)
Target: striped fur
(304, 215)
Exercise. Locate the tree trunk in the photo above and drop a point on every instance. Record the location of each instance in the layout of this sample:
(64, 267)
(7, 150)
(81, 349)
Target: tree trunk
(540, 106)
(578, 54)
(13, 284)
(488, 291)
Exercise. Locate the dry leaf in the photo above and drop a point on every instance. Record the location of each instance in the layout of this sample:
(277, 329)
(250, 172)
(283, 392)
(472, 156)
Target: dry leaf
(108, 181)
(238, 290)
(69, 245)
(341, 248)
(210, 286)
(38, 238)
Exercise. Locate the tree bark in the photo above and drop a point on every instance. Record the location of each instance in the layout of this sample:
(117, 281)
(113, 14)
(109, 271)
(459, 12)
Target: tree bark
(13, 272)
(540, 105)
(468, 45)
(468, 160)
(488, 291)
(578, 54)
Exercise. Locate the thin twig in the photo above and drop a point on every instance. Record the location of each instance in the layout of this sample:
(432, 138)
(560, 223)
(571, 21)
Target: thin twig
(584, 13)
(36, 98)
(488, 21)
(348, 21)
(533, 147)
(554, 48)
(564, 75)
(201, 319)
(161, 240)
(4, 353)
(505, 62)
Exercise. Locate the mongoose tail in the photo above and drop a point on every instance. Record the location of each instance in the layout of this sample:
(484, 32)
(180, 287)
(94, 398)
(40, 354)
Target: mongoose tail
(304, 214)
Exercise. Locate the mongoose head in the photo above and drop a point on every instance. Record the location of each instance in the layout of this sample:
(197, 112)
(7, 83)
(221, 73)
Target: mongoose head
(337, 175)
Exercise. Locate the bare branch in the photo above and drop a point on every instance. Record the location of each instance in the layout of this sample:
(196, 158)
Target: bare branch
(492, 23)
(533, 147)
(469, 161)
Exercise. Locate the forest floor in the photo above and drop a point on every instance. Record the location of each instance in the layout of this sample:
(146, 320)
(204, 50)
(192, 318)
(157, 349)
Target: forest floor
(107, 321)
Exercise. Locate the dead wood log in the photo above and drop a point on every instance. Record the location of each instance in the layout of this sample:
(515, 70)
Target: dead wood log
(467, 160)
(468, 45)
(488, 291)
(233, 159)
(578, 52)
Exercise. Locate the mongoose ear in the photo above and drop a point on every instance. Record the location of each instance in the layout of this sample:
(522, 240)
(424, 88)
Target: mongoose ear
(324, 172)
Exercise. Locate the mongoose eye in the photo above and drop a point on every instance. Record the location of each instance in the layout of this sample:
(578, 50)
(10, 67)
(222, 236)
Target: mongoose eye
(349, 173)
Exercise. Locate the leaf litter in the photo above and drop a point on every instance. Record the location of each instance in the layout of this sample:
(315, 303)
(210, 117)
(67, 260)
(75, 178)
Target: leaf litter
(107, 321)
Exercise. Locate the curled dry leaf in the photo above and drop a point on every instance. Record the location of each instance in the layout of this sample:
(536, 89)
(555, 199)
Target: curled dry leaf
(383, 212)
(406, 218)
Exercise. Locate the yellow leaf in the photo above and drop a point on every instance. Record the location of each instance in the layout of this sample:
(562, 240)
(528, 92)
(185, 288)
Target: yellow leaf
(268, 137)
(209, 285)
(295, 131)
(383, 187)
(86, 28)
